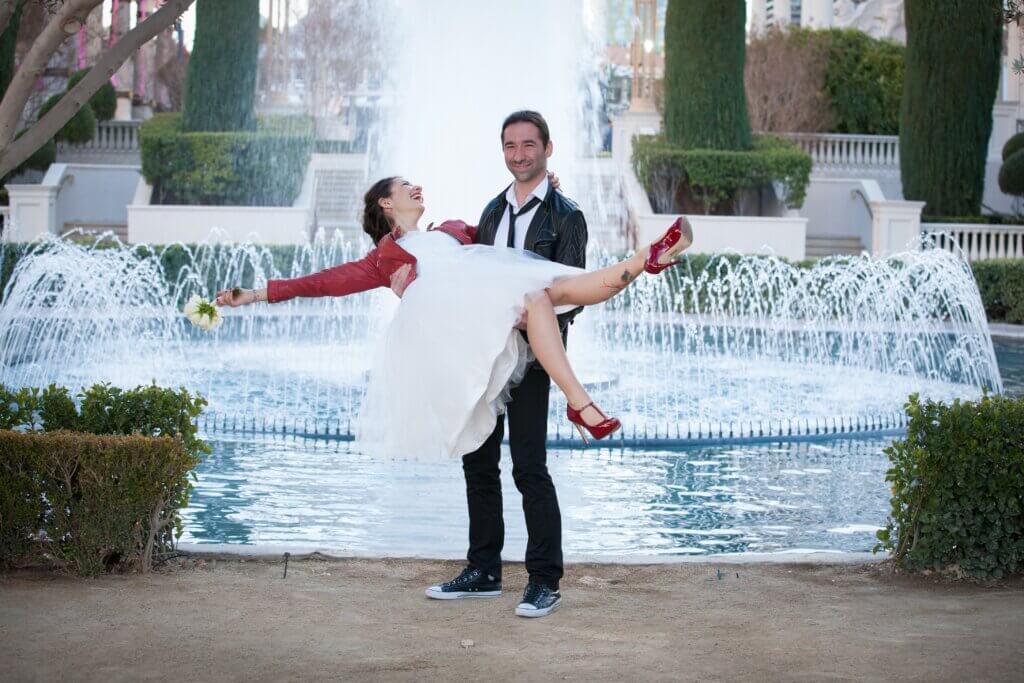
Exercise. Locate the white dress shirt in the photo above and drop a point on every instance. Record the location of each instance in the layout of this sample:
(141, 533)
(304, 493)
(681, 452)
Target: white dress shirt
(523, 221)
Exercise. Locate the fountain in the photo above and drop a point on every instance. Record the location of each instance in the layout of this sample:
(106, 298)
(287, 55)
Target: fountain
(741, 350)
(748, 348)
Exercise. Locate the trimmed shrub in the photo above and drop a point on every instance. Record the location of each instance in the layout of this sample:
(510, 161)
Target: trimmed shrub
(254, 168)
(80, 128)
(715, 176)
(1001, 285)
(99, 502)
(1011, 174)
(958, 488)
(104, 102)
(983, 219)
(1015, 143)
(952, 76)
(705, 48)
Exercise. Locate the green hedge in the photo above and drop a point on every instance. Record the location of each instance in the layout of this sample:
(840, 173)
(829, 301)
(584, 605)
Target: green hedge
(103, 479)
(715, 176)
(1001, 284)
(958, 488)
(248, 168)
(101, 501)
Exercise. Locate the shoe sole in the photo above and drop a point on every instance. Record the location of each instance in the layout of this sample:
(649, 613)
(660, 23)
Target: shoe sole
(532, 613)
(456, 595)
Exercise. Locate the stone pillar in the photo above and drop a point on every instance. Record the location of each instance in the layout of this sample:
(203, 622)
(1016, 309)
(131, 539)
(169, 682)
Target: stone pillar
(817, 14)
(120, 25)
(33, 211)
(625, 127)
(895, 226)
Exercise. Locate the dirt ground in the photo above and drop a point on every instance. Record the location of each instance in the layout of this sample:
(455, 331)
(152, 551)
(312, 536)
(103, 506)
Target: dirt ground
(232, 619)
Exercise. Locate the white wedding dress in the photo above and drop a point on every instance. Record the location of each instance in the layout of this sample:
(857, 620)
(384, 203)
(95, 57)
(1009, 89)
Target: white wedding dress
(451, 354)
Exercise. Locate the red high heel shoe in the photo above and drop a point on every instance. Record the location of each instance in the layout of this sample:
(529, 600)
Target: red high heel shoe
(602, 429)
(678, 230)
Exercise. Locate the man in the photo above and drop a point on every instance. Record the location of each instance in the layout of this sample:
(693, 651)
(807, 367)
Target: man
(528, 214)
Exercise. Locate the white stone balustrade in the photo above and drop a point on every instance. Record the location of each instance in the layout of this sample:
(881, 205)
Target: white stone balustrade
(115, 142)
(979, 242)
(839, 153)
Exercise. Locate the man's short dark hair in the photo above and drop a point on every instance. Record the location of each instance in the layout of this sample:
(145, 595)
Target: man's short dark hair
(527, 116)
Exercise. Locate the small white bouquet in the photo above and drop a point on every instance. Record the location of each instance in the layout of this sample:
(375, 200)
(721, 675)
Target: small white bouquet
(203, 314)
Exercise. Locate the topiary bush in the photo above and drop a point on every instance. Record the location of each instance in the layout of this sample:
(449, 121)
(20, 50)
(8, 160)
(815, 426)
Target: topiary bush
(79, 129)
(958, 488)
(715, 176)
(104, 102)
(1015, 143)
(1011, 174)
(258, 168)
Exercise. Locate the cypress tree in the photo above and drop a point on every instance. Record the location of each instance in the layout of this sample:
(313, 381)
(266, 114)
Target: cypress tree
(221, 80)
(8, 42)
(952, 76)
(705, 101)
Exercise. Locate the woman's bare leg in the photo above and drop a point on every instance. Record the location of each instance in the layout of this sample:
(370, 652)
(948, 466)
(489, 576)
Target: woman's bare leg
(597, 286)
(546, 342)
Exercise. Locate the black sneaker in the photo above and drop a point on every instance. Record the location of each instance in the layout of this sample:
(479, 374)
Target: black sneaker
(471, 583)
(538, 600)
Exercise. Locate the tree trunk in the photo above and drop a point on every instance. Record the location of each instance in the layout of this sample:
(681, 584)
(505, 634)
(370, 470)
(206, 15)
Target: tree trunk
(952, 77)
(705, 100)
(221, 82)
(53, 35)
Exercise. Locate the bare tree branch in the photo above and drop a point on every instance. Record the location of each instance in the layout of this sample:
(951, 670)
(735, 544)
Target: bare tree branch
(13, 153)
(34, 63)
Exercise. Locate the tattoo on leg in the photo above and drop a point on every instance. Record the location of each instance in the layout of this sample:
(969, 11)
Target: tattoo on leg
(626, 276)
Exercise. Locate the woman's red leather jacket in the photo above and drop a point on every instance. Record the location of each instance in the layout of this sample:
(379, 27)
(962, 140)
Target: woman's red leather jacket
(383, 266)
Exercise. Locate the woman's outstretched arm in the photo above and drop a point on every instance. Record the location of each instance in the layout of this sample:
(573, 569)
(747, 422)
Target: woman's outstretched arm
(348, 278)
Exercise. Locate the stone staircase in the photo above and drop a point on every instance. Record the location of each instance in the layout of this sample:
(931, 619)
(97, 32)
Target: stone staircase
(338, 198)
(598, 189)
(820, 247)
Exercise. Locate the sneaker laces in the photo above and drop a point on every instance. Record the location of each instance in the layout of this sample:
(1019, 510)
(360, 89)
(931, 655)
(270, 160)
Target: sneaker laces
(533, 592)
(464, 577)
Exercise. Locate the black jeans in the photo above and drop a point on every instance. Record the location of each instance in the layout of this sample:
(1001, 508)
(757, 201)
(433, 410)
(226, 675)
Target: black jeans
(528, 426)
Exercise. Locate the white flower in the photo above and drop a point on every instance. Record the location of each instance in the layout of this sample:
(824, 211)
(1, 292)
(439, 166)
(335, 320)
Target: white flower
(203, 314)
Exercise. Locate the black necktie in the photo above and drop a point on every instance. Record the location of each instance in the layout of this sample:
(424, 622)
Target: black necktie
(512, 219)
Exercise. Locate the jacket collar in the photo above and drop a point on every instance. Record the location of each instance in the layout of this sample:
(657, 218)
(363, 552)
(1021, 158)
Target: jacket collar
(500, 206)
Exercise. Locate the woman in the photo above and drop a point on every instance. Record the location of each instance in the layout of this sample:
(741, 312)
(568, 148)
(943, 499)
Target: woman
(453, 350)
